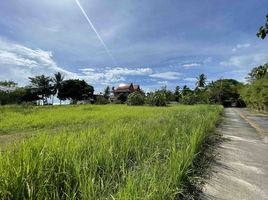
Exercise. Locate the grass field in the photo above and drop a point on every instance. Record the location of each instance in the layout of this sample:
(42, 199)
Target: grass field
(101, 152)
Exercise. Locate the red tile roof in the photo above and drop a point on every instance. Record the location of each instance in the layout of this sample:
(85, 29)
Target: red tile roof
(127, 88)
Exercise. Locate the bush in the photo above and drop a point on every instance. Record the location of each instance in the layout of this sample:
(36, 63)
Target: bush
(121, 98)
(157, 98)
(12, 97)
(136, 98)
(255, 94)
(101, 100)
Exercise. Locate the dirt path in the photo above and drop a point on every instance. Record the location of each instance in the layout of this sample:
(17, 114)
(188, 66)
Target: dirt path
(241, 170)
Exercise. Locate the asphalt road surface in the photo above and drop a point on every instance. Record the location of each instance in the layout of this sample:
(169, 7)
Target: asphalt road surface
(241, 169)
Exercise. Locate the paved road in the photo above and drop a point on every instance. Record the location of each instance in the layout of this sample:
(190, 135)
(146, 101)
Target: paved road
(241, 170)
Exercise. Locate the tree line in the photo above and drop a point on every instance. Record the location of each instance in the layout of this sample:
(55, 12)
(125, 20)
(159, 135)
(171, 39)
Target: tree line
(222, 91)
(43, 87)
(228, 92)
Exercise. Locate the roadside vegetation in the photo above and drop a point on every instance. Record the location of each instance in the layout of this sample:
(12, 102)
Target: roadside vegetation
(255, 93)
(102, 152)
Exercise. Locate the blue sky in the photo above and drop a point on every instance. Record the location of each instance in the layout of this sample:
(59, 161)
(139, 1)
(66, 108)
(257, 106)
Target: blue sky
(154, 42)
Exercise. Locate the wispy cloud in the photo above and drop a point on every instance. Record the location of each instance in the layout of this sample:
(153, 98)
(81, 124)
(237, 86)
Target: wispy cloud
(246, 61)
(190, 79)
(189, 65)
(241, 46)
(166, 75)
(113, 75)
(18, 62)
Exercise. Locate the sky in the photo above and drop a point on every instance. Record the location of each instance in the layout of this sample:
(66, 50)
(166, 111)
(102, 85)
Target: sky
(151, 43)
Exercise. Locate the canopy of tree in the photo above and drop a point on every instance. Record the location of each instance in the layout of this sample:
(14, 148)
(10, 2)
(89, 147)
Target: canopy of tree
(263, 31)
(255, 94)
(225, 92)
(75, 90)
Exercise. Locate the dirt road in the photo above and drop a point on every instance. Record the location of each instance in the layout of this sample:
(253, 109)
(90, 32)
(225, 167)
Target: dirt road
(241, 170)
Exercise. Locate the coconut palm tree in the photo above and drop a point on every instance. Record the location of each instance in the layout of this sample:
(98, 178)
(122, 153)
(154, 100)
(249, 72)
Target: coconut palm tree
(57, 80)
(42, 86)
(201, 81)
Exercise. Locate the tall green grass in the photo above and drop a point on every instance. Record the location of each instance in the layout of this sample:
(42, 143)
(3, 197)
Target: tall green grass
(103, 152)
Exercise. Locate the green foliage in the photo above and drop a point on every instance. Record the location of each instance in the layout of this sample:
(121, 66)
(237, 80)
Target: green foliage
(101, 100)
(30, 95)
(225, 92)
(57, 80)
(9, 84)
(42, 86)
(12, 97)
(199, 96)
(257, 72)
(136, 98)
(107, 92)
(157, 98)
(201, 81)
(186, 91)
(263, 31)
(75, 90)
(177, 94)
(121, 98)
(256, 94)
(168, 94)
(102, 152)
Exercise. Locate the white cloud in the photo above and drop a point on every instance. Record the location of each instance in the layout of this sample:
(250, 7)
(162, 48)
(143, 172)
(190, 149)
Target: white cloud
(188, 65)
(113, 75)
(246, 61)
(166, 75)
(162, 82)
(240, 46)
(18, 62)
(208, 60)
(190, 79)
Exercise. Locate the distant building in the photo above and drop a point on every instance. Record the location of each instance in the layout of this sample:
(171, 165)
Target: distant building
(124, 89)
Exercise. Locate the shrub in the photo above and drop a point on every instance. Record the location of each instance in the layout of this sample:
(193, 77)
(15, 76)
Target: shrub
(101, 100)
(136, 98)
(256, 94)
(157, 98)
(121, 98)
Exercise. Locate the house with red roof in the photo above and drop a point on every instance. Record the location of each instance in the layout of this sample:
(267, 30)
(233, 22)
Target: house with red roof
(124, 89)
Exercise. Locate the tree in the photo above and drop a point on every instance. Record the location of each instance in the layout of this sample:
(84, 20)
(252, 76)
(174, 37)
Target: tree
(225, 92)
(75, 90)
(42, 85)
(177, 94)
(201, 81)
(157, 98)
(30, 95)
(263, 31)
(168, 93)
(255, 93)
(57, 80)
(8, 84)
(136, 98)
(258, 72)
(186, 90)
(101, 100)
(107, 92)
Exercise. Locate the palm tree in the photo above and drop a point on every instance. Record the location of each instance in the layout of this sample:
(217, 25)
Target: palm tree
(201, 81)
(41, 85)
(57, 80)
